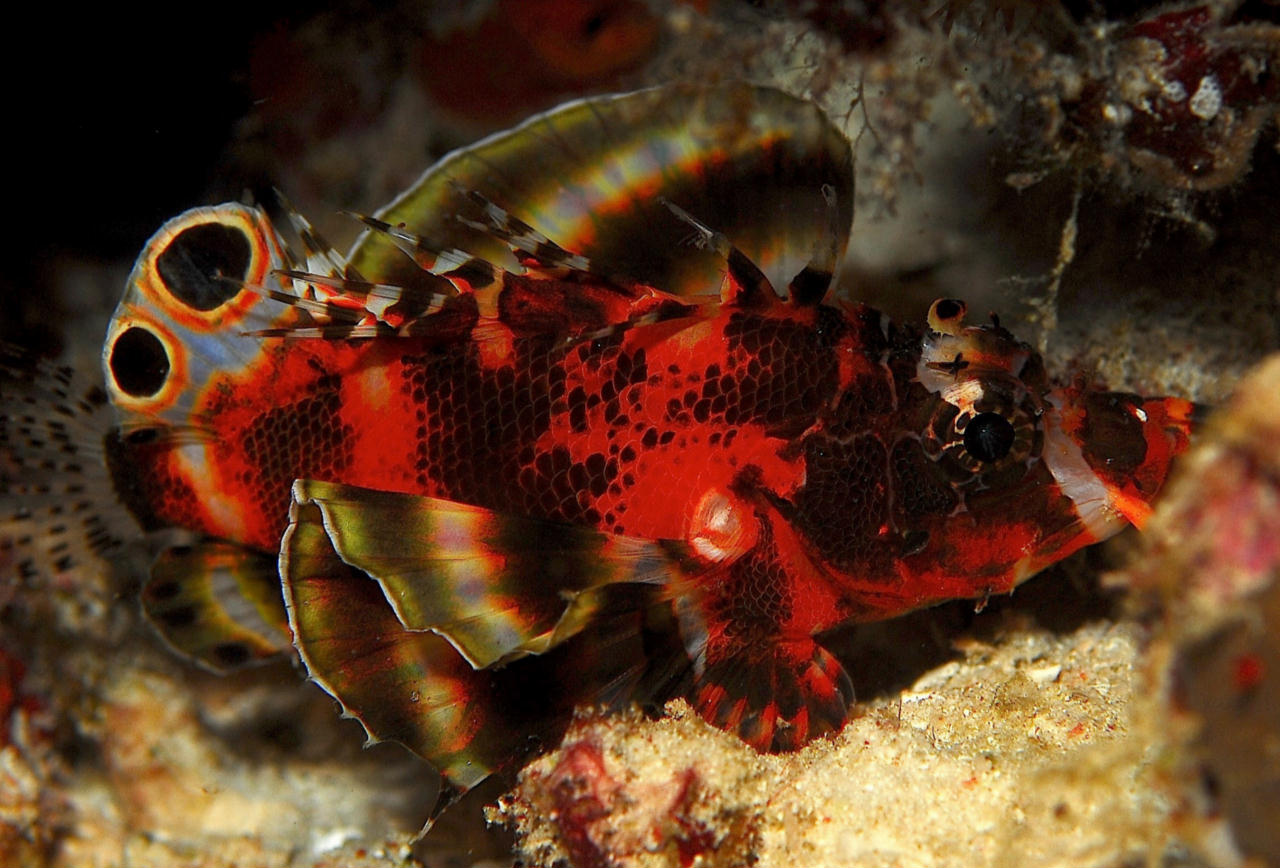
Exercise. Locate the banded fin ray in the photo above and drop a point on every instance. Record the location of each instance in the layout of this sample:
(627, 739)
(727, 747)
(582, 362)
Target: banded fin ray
(414, 688)
(745, 284)
(777, 697)
(319, 255)
(537, 249)
(432, 257)
(750, 161)
(352, 308)
(496, 586)
(218, 604)
(483, 302)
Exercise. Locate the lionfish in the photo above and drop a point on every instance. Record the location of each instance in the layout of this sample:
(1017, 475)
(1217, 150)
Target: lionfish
(478, 473)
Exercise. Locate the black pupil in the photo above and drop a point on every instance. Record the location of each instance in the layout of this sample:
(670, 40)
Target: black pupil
(988, 437)
(139, 363)
(196, 264)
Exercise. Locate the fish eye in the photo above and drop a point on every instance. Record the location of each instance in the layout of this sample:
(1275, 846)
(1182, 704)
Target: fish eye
(985, 433)
(139, 363)
(988, 437)
(202, 265)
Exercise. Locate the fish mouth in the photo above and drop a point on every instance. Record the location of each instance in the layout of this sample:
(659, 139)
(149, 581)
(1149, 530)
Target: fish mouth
(1110, 452)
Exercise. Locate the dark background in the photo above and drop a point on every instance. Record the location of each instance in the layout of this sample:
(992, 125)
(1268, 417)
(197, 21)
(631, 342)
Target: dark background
(116, 121)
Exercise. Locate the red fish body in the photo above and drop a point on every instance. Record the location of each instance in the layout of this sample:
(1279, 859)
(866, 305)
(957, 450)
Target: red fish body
(479, 476)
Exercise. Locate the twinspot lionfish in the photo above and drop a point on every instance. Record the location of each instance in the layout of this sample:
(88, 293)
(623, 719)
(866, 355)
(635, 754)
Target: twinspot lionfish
(581, 419)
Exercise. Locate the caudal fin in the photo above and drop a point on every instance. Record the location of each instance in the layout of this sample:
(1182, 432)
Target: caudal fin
(58, 509)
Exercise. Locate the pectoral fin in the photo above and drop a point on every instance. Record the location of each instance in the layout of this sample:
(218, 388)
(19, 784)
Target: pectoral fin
(413, 687)
(496, 586)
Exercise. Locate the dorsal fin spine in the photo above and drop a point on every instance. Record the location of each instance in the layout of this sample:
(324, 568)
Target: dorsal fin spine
(746, 285)
(809, 287)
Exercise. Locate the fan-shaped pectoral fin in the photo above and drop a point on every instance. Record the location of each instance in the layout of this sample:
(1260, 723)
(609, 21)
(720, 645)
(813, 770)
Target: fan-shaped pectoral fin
(361, 610)
(776, 694)
(497, 586)
(747, 622)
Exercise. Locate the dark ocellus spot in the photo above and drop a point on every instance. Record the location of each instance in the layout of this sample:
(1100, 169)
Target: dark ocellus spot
(166, 590)
(196, 265)
(139, 363)
(231, 654)
(988, 437)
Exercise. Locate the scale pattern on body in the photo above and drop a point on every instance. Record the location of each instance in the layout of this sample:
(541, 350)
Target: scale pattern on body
(581, 419)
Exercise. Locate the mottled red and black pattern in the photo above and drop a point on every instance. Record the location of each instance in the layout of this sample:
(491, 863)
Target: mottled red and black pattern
(493, 465)
(582, 433)
(805, 429)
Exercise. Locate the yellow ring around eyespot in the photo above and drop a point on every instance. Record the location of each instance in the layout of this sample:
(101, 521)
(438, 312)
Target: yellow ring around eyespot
(265, 254)
(168, 393)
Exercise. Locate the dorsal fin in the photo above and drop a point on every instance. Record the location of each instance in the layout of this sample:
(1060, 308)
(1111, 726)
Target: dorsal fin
(321, 257)
(750, 161)
(446, 263)
(348, 308)
(810, 285)
(186, 309)
(528, 244)
(745, 285)
(557, 296)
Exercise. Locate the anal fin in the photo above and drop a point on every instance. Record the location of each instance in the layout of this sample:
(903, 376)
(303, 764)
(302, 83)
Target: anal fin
(218, 604)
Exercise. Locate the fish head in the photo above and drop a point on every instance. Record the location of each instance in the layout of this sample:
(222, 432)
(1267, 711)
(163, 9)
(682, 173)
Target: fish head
(1035, 472)
(984, 472)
